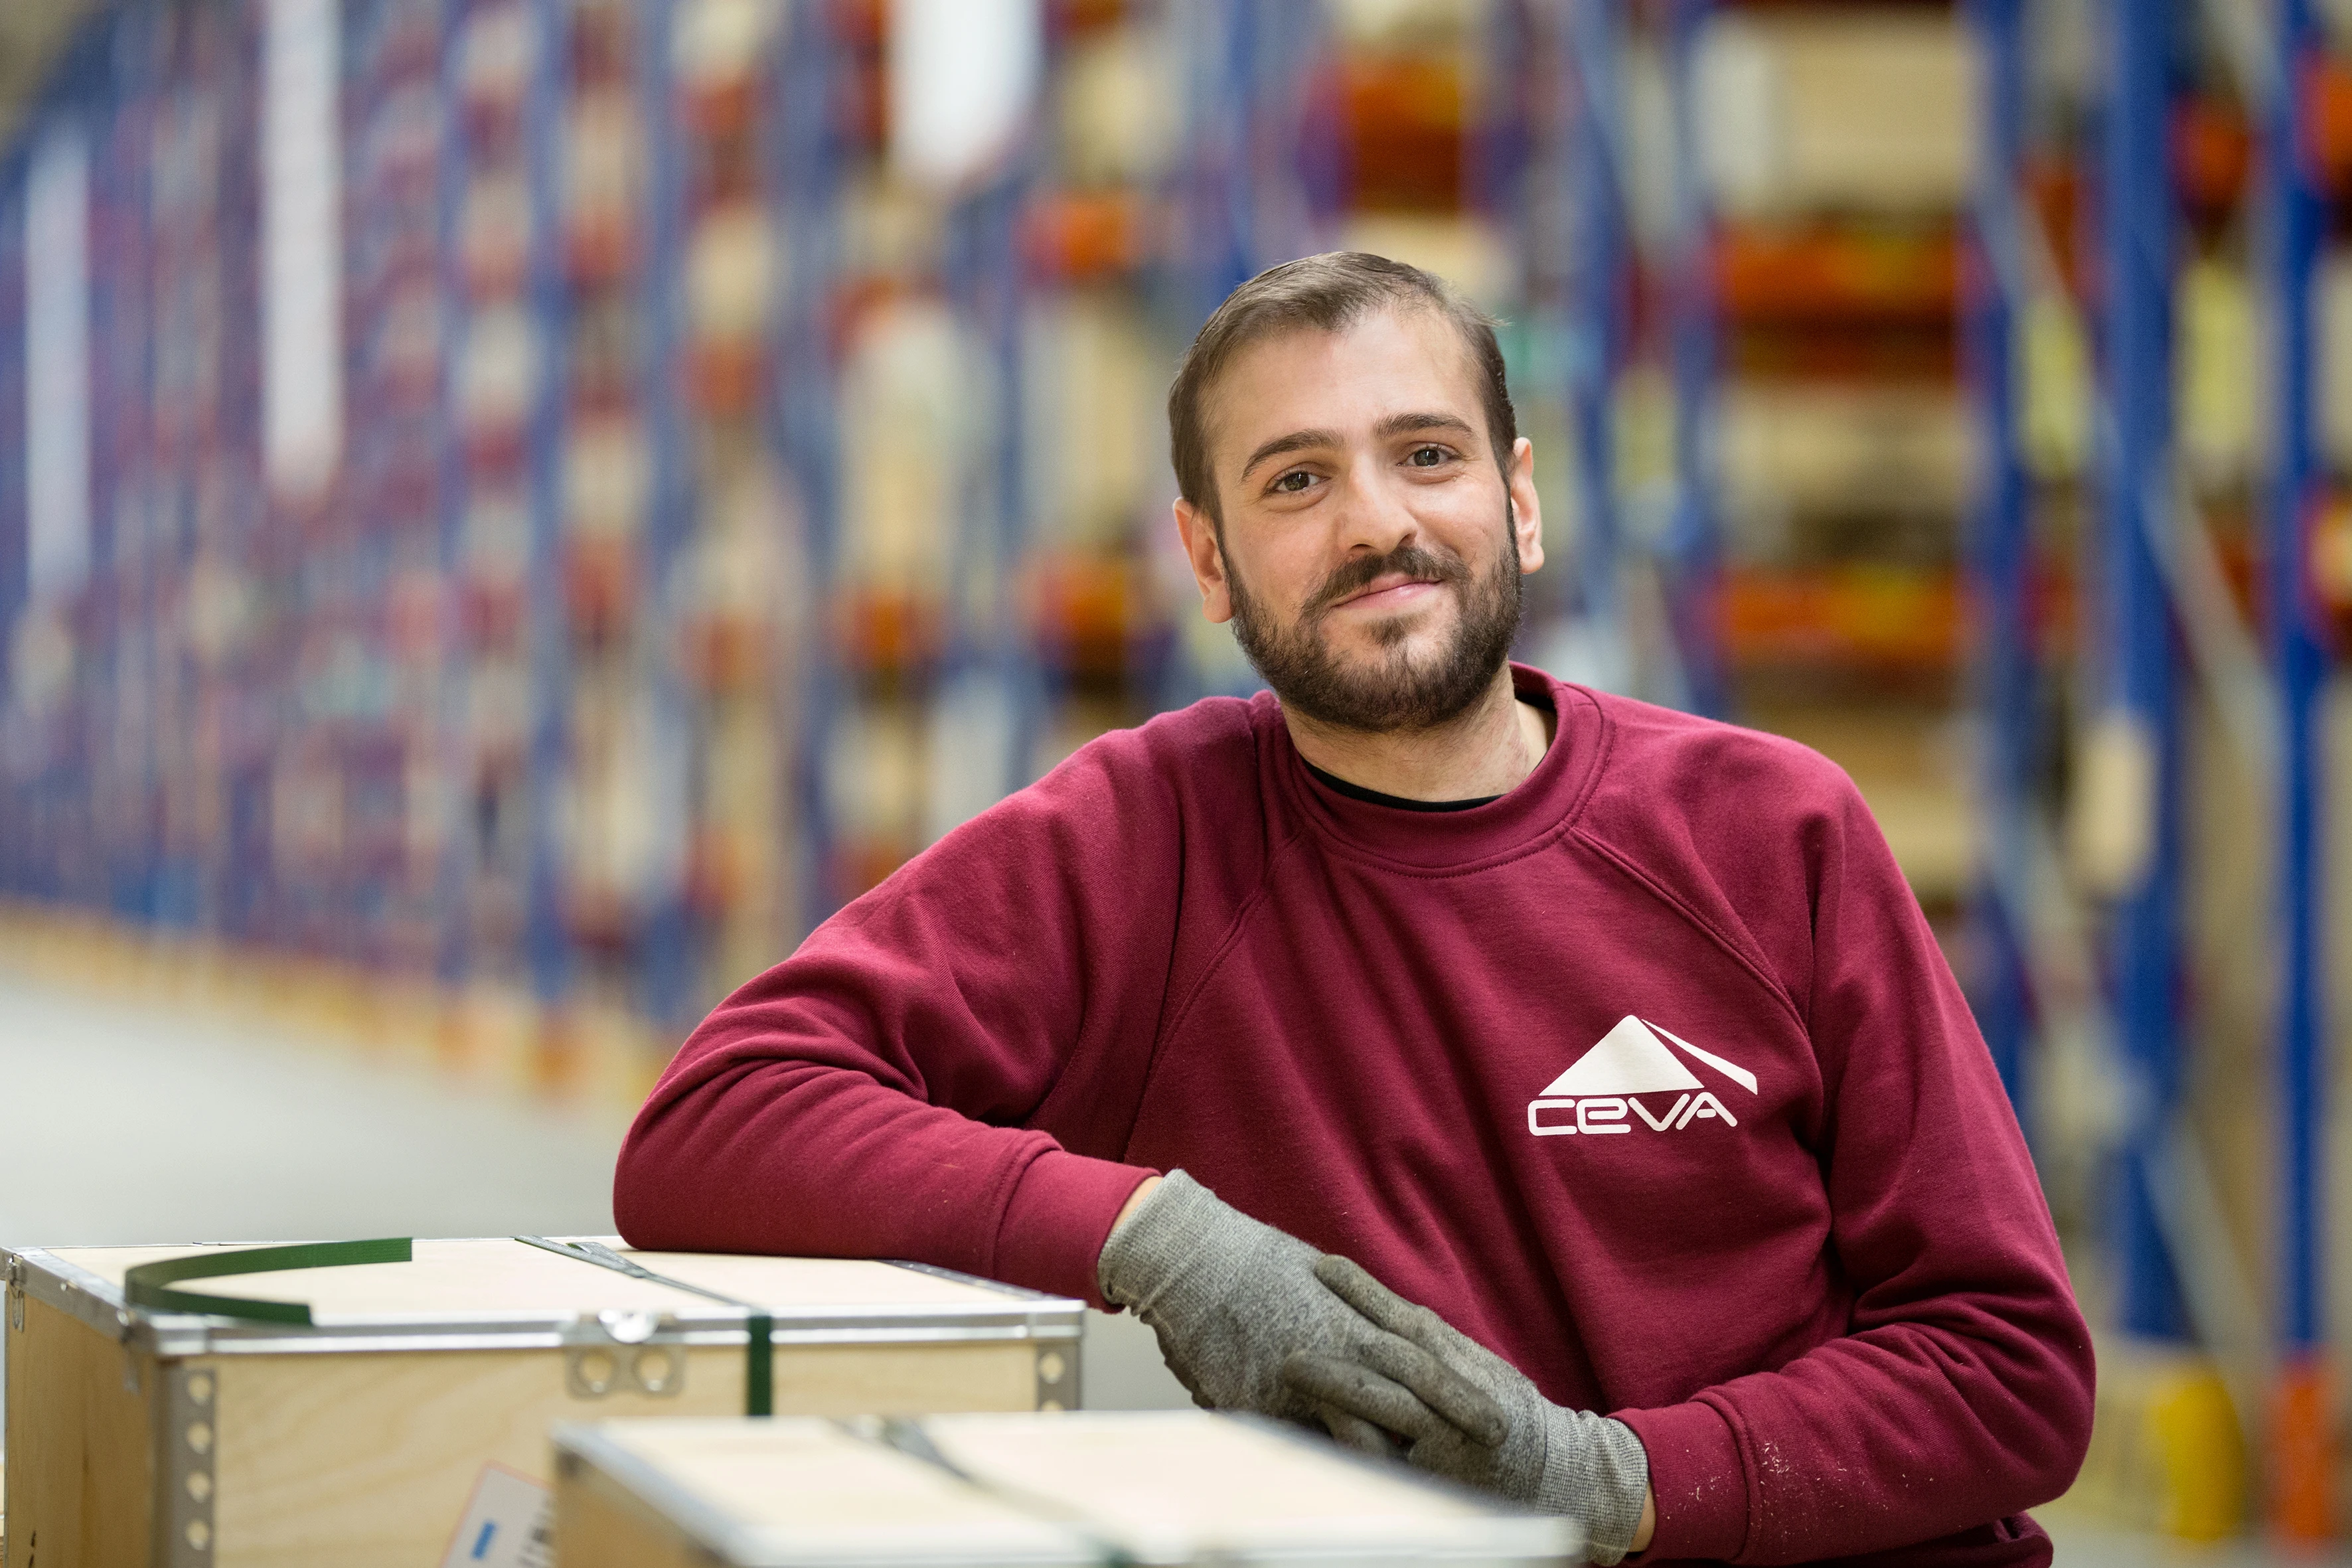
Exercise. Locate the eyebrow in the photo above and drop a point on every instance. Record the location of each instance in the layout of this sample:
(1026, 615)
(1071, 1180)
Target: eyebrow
(1393, 426)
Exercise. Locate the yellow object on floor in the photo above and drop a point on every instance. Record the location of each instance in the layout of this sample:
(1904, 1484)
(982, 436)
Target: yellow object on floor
(2167, 1452)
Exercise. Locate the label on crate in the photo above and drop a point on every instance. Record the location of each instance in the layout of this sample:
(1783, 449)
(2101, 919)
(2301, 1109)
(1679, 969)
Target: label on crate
(509, 1523)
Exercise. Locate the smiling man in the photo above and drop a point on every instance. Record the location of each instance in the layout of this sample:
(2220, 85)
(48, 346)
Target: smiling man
(1563, 1094)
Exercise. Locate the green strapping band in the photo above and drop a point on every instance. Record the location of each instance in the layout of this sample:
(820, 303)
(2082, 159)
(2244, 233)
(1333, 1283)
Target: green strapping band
(149, 1284)
(759, 1370)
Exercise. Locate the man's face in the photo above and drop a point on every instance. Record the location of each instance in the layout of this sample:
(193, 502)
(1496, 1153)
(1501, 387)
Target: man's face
(1371, 549)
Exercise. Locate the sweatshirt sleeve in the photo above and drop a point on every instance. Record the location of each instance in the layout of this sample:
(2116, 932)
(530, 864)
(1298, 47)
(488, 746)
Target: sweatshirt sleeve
(872, 1095)
(1961, 1393)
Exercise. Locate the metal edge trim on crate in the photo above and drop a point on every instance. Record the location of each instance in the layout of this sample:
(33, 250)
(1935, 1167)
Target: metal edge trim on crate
(1518, 1531)
(1499, 1532)
(748, 1546)
(98, 1304)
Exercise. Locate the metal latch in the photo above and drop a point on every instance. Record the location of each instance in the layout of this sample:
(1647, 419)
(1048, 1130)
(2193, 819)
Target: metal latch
(1057, 1374)
(17, 1294)
(620, 1360)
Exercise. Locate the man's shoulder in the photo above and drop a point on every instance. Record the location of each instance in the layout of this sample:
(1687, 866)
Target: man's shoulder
(1706, 775)
(1216, 738)
(1201, 758)
(1735, 826)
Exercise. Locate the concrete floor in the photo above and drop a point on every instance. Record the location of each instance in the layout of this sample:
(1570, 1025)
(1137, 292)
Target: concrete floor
(125, 1123)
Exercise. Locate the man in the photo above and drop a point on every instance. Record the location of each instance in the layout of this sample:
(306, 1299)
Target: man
(1611, 1036)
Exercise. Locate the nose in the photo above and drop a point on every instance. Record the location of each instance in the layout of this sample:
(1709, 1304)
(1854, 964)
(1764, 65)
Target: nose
(1373, 517)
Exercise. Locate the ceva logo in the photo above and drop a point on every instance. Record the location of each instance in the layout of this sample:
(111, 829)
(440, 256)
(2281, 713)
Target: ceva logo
(1631, 1062)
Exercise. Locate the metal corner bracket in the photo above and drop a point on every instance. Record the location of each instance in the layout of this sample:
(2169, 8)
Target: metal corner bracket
(187, 1439)
(1057, 1374)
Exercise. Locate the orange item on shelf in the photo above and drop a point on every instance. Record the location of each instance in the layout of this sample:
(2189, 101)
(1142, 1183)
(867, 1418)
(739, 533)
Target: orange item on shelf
(1086, 235)
(724, 376)
(881, 631)
(721, 105)
(2331, 563)
(2211, 151)
(1404, 118)
(599, 584)
(2303, 1453)
(860, 865)
(1883, 277)
(1083, 610)
(2327, 118)
(1879, 618)
(726, 653)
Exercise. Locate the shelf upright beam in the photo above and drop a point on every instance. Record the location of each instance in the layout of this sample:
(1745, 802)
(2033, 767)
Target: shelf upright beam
(810, 69)
(2294, 201)
(15, 535)
(452, 886)
(669, 979)
(2000, 548)
(1692, 566)
(986, 649)
(547, 948)
(2139, 730)
(1598, 327)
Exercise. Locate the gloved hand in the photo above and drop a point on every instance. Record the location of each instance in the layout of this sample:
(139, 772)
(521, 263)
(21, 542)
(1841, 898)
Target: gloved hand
(1230, 1298)
(1406, 1381)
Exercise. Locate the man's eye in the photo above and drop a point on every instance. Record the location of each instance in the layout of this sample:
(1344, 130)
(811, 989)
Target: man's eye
(1294, 482)
(1428, 457)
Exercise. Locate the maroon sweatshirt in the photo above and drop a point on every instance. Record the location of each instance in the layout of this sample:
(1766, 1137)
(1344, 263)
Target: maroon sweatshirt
(1648, 1075)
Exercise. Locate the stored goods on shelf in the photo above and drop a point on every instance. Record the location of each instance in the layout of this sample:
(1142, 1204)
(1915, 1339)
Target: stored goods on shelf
(1832, 109)
(1160, 1486)
(387, 1397)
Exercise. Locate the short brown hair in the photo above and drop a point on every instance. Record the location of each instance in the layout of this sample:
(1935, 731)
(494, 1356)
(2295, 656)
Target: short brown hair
(1326, 292)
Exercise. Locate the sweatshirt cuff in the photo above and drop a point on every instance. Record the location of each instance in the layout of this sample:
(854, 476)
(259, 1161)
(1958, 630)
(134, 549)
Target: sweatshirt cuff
(1058, 1219)
(1696, 1480)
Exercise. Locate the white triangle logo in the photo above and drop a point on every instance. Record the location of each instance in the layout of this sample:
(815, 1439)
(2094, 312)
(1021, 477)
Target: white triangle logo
(1629, 1059)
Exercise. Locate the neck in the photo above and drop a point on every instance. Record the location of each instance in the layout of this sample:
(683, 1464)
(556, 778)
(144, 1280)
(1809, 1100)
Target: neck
(1485, 750)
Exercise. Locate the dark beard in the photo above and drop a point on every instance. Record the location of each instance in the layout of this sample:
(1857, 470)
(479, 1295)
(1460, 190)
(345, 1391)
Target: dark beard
(1393, 696)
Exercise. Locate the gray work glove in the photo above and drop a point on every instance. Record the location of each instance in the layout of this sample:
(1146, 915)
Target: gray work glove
(1230, 1298)
(1406, 1381)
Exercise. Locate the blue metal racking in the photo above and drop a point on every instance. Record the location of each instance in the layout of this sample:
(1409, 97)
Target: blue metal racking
(2000, 550)
(804, 160)
(1597, 336)
(670, 980)
(1690, 547)
(2138, 680)
(2295, 195)
(548, 956)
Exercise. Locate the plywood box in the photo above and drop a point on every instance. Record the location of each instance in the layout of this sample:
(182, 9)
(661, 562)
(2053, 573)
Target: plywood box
(140, 1437)
(1014, 1491)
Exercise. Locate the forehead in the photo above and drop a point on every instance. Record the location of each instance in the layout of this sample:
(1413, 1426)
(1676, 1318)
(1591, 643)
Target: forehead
(1391, 361)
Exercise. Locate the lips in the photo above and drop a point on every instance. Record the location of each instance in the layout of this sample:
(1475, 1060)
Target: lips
(1390, 593)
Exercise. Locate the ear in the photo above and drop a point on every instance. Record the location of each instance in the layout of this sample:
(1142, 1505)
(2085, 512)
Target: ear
(1527, 511)
(1207, 558)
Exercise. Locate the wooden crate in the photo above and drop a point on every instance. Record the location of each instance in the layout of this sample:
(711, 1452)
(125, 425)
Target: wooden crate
(138, 1439)
(1012, 1491)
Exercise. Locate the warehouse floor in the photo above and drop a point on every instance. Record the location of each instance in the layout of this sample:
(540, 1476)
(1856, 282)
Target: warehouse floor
(131, 1123)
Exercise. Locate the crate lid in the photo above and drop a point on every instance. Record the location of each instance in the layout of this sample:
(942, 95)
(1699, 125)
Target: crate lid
(502, 1289)
(1154, 1487)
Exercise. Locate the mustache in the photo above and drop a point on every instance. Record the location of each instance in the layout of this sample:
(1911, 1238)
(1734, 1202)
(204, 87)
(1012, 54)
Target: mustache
(1411, 560)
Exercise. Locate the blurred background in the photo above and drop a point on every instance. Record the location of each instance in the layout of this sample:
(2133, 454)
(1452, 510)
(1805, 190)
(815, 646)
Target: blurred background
(513, 510)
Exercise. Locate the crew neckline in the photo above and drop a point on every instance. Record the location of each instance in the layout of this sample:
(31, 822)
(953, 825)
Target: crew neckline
(1333, 781)
(1370, 796)
(1433, 840)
